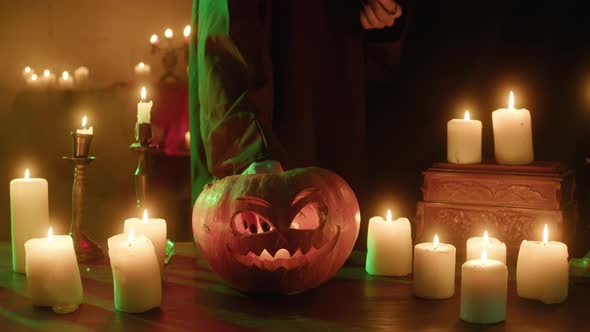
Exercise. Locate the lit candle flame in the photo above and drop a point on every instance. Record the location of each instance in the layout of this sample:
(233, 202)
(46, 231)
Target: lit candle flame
(153, 39)
(486, 238)
(27, 174)
(84, 121)
(143, 93)
(145, 216)
(34, 77)
(388, 216)
(27, 69)
(484, 255)
(511, 101)
(435, 242)
(168, 33)
(187, 31)
(141, 65)
(65, 75)
(131, 235)
(50, 235)
(545, 235)
(466, 117)
(46, 73)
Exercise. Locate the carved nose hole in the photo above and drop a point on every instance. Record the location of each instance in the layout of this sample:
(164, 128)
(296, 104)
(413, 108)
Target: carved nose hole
(311, 216)
(251, 223)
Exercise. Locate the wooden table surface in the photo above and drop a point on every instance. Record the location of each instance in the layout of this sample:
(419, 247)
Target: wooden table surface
(195, 299)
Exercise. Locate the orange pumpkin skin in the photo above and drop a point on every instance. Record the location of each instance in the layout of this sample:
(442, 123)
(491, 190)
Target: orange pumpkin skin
(311, 213)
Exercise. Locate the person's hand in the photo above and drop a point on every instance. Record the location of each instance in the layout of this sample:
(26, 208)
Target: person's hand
(378, 14)
(264, 166)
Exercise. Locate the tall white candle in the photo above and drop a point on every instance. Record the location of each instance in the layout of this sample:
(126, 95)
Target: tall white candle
(136, 275)
(483, 290)
(84, 130)
(513, 136)
(154, 229)
(144, 108)
(29, 215)
(542, 270)
(53, 276)
(464, 140)
(389, 246)
(434, 270)
(65, 81)
(494, 248)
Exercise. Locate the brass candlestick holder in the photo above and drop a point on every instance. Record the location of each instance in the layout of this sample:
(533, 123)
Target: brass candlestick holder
(143, 148)
(87, 250)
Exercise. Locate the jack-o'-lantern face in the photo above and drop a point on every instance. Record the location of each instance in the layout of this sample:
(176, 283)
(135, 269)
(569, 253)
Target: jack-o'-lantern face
(282, 232)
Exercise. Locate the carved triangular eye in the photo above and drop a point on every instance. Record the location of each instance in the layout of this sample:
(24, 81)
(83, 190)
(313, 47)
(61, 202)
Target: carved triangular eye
(250, 223)
(311, 216)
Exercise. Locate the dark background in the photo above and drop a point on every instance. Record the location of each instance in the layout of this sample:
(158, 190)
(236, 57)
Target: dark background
(457, 55)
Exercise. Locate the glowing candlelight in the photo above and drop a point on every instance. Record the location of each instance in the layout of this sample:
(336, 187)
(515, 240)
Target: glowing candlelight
(545, 235)
(435, 242)
(152, 228)
(434, 269)
(50, 235)
(46, 73)
(154, 39)
(143, 93)
(27, 69)
(168, 33)
(34, 77)
(84, 130)
(511, 101)
(495, 249)
(466, 116)
(27, 174)
(145, 216)
(486, 238)
(131, 235)
(187, 31)
(388, 216)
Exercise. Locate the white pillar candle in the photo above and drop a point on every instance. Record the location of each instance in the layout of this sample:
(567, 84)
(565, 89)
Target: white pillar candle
(464, 141)
(389, 246)
(495, 248)
(483, 290)
(144, 108)
(513, 136)
(136, 275)
(84, 130)
(29, 215)
(154, 229)
(53, 276)
(434, 270)
(542, 270)
(65, 81)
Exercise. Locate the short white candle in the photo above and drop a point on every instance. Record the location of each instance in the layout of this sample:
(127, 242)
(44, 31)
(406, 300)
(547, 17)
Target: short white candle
(141, 69)
(542, 270)
(84, 130)
(483, 290)
(495, 248)
(513, 136)
(389, 246)
(154, 229)
(144, 108)
(29, 215)
(65, 81)
(464, 140)
(136, 275)
(81, 76)
(53, 276)
(434, 270)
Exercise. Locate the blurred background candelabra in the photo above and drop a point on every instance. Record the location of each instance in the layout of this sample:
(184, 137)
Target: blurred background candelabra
(170, 50)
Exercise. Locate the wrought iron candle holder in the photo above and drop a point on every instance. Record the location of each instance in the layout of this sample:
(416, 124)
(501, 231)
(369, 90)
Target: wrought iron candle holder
(86, 250)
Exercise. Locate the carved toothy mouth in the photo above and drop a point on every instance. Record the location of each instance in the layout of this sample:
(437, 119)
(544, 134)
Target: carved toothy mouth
(283, 258)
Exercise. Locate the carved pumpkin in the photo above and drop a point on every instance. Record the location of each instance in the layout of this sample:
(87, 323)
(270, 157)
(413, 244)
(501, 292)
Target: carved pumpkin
(277, 232)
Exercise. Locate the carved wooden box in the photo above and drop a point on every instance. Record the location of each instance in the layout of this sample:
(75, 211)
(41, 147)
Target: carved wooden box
(511, 202)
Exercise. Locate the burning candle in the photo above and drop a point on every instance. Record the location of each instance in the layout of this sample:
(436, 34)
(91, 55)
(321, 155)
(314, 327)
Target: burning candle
(542, 270)
(84, 130)
(154, 229)
(168, 34)
(513, 137)
(29, 215)
(494, 248)
(142, 70)
(154, 39)
(34, 81)
(389, 246)
(144, 108)
(136, 275)
(65, 81)
(53, 276)
(483, 290)
(186, 33)
(27, 72)
(464, 140)
(434, 269)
